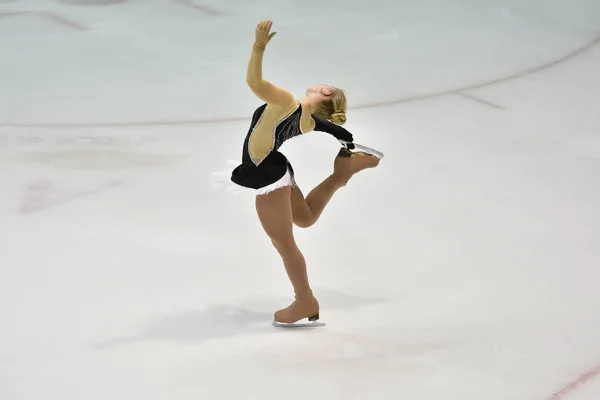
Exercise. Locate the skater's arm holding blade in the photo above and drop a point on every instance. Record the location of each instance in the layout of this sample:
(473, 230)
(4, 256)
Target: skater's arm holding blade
(265, 90)
(339, 132)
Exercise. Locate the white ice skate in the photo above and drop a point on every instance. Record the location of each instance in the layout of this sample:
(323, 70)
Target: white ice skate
(360, 147)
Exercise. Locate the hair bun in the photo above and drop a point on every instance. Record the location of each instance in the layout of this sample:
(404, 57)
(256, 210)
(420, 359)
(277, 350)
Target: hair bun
(338, 117)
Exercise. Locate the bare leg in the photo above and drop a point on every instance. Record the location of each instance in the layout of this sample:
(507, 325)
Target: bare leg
(307, 211)
(275, 213)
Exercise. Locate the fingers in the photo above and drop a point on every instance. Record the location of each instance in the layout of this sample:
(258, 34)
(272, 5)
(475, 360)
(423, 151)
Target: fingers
(265, 25)
(263, 34)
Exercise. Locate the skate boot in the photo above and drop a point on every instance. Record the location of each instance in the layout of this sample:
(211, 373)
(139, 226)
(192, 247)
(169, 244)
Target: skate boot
(348, 163)
(302, 307)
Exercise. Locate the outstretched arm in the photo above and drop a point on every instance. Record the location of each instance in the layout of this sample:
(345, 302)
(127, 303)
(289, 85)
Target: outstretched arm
(263, 89)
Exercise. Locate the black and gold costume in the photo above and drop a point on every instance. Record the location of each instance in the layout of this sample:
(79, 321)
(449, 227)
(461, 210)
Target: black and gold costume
(281, 118)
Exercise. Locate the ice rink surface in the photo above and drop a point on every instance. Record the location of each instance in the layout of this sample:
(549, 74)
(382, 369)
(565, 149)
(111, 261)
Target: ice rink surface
(466, 266)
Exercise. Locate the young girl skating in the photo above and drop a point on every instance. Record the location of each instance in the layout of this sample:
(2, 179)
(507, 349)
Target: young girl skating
(279, 202)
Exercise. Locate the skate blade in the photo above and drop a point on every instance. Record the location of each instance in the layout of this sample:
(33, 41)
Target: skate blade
(364, 149)
(313, 324)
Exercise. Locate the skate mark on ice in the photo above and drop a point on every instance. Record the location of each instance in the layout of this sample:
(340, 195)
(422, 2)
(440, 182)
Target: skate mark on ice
(57, 19)
(101, 159)
(479, 100)
(203, 9)
(42, 195)
(410, 99)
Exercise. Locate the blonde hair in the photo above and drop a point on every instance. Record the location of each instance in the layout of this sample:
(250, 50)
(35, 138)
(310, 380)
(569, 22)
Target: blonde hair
(334, 107)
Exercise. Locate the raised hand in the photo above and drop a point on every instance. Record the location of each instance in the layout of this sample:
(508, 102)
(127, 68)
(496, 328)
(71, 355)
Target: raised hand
(263, 35)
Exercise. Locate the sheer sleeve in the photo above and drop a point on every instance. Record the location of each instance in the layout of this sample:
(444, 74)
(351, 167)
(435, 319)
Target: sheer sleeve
(265, 90)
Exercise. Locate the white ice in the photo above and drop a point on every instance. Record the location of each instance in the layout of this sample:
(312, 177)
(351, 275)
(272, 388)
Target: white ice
(466, 266)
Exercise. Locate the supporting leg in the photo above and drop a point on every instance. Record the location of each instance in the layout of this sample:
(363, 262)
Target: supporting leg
(275, 213)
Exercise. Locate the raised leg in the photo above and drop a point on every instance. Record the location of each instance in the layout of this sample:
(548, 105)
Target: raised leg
(306, 211)
(275, 213)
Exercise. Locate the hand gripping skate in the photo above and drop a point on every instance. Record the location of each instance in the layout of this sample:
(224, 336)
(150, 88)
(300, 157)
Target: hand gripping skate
(350, 146)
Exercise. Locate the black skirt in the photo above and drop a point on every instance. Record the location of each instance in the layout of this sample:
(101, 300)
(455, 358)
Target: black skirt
(269, 171)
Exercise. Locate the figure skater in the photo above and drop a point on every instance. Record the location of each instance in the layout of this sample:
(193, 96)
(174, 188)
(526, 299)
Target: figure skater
(279, 201)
